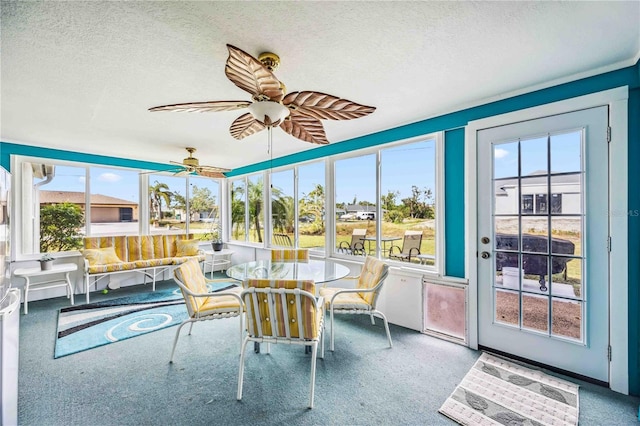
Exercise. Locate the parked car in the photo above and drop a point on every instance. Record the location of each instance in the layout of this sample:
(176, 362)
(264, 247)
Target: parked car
(348, 216)
(365, 215)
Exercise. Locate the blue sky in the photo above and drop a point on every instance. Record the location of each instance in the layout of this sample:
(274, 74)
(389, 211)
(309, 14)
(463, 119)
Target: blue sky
(565, 155)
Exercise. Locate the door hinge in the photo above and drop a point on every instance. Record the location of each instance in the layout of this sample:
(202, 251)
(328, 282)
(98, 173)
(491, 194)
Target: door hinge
(609, 352)
(609, 244)
(608, 134)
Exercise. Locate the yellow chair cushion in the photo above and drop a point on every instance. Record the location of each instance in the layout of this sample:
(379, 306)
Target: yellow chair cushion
(372, 271)
(289, 254)
(187, 247)
(311, 317)
(101, 256)
(344, 300)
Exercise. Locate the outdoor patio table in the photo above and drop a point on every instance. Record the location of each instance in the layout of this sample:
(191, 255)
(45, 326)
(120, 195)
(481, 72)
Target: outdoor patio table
(383, 241)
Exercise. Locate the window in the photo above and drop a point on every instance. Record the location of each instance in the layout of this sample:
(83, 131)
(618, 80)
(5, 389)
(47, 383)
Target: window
(167, 204)
(282, 208)
(204, 207)
(407, 198)
(55, 211)
(355, 192)
(311, 206)
(238, 209)
(114, 208)
(527, 204)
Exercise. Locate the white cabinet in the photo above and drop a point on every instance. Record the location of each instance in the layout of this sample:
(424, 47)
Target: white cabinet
(401, 300)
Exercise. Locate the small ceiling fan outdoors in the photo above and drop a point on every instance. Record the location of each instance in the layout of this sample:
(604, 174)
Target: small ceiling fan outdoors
(297, 113)
(192, 165)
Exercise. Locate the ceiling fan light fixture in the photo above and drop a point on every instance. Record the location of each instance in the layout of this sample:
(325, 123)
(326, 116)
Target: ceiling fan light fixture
(268, 112)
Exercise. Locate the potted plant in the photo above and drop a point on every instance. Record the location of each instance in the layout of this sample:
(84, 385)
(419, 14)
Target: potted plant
(216, 236)
(46, 261)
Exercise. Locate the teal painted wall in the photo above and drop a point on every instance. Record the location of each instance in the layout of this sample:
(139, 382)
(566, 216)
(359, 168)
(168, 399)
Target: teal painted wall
(454, 178)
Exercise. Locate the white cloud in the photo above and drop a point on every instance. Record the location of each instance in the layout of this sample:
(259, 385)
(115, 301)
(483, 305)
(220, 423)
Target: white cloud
(500, 153)
(82, 179)
(109, 177)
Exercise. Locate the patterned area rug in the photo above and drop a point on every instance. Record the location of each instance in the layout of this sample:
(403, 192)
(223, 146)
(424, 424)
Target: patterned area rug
(84, 327)
(499, 392)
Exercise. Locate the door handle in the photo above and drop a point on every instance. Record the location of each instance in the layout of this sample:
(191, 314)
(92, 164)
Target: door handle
(485, 255)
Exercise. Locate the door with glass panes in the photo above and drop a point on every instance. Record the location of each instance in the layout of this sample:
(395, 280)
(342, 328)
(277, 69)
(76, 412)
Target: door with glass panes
(543, 238)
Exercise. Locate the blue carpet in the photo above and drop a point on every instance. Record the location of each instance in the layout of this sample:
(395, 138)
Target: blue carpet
(92, 325)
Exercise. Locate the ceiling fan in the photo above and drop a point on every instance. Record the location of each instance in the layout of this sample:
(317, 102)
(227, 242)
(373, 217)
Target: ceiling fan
(297, 113)
(191, 165)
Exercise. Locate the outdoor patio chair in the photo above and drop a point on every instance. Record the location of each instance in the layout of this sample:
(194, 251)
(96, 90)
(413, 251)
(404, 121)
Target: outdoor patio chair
(201, 304)
(283, 312)
(356, 247)
(282, 240)
(289, 254)
(410, 246)
(360, 300)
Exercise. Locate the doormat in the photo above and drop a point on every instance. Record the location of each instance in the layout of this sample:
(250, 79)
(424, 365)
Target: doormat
(97, 324)
(496, 391)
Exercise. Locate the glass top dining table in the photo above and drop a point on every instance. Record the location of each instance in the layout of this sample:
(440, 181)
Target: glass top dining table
(320, 271)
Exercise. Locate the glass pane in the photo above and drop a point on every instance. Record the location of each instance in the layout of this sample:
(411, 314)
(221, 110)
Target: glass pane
(534, 195)
(167, 204)
(507, 267)
(238, 209)
(204, 218)
(566, 194)
(566, 233)
(445, 310)
(533, 157)
(408, 190)
(505, 160)
(311, 206)
(282, 209)
(114, 201)
(536, 270)
(535, 243)
(255, 188)
(567, 277)
(566, 318)
(566, 152)
(355, 188)
(507, 242)
(56, 192)
(506, 195)
(535, 312)
(507, 307)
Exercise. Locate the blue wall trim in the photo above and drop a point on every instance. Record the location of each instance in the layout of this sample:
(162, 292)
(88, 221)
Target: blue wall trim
(8, 149)
(454, 181)
(634, 241)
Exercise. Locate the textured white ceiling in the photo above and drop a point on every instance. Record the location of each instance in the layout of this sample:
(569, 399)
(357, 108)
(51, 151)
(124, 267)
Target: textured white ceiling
(80, 76)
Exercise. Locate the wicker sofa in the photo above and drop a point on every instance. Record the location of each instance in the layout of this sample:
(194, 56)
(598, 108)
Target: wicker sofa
(150, 255)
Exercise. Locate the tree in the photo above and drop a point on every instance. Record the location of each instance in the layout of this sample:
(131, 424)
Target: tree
(312, 204)
(419, 204)
(202, 201)
(159, 192)
(237, 209)
(60, 226)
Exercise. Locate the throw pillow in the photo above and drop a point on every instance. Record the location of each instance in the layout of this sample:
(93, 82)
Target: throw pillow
(101, 256)
(187, 247)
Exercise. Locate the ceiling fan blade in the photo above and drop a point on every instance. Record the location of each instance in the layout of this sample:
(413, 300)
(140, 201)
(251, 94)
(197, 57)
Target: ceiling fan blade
(176, 163)
(211, 106)
(211, 174)
(244, 126)
(212, 169)
(324, 107)
(250, 75)
(183, 172)
(308, 129)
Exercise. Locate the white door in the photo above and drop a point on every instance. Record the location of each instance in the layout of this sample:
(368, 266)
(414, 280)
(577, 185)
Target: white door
(543, 241)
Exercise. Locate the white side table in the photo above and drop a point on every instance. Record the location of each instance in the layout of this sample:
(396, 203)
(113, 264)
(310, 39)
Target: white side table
(216, 259)
(50, 280)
